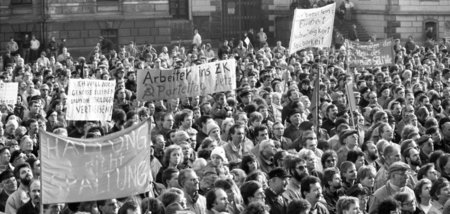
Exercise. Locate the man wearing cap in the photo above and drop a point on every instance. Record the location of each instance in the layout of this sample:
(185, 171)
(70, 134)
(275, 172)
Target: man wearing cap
(391, 154)
(348, 142)
(278, 179)
(9, 184)
(398, 178)
(245, 99)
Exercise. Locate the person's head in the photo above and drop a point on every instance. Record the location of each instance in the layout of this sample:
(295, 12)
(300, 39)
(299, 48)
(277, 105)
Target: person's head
(237, 133)
(440, 190)
(173, 155)
(444, 164)
(422, 189)
(296, 167)
(249, 163)
(311, 189)
(329, 159)
(389, 206)
(173, 195)
(24, 174)
(370, 150)
(267, 148)
(168, 121)
(8, 181)
(332, 178)
(427, 171)
(366, 176)
(412, 157)
(309, 157)
(170, 177)
(35, 192)
(108, 206)
(278, 179)
(189, 181)
(298, 206)
(259, 176)
(347, 205)
(398, 173)
(216, 199)
(262, 133)
(252, 191)
(391, 154)
(357, 157)
(5, 155)
(406, 200)
(130, 207)
(348, 171)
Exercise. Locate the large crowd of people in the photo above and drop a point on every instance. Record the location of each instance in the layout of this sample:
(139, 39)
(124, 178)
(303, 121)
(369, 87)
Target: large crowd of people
(270, 146)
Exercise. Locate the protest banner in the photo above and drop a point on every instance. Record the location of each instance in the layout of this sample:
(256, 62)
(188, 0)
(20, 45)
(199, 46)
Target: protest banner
(8, 93)
(312, 28)
(90, 99)
(369, 54)
(112, 166)
(157, 84)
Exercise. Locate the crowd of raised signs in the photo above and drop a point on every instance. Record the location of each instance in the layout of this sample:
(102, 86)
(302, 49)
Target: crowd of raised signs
(254, 150)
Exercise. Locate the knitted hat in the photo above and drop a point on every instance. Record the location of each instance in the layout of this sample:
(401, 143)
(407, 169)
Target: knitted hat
(211, 126)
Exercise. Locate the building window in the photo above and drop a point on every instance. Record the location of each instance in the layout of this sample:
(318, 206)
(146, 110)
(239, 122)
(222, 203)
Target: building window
(111, 35)
(21, 2)
(179, 9)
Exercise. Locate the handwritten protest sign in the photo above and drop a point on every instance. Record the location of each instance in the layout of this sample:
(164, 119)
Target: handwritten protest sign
(312, 28)
(368, 54)
(192, 81)
(112, 166)
(90, 99)
(8, 93)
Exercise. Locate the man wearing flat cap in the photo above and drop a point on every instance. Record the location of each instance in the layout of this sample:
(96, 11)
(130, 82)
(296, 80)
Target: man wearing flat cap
(278, 180)
(9, 184)
(398, 178)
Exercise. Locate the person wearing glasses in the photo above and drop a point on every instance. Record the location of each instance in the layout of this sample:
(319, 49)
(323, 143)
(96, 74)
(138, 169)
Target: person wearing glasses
(296, 167)
(398, 178)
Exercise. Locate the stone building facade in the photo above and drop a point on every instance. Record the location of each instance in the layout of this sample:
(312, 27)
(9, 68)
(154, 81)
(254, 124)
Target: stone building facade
(81, 22)
(404, 18)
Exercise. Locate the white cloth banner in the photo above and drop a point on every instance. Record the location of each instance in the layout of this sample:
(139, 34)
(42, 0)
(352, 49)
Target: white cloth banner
(8, 93)
(90, 99)
(312, 28)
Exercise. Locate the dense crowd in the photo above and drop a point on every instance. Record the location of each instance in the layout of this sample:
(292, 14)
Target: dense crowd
(270, 146)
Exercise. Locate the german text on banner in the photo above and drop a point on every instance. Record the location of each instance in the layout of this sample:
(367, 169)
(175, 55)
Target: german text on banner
(368, 54)
(312, 28)
(157, 84)
(113, 166)
(90, 99)
(8, 93)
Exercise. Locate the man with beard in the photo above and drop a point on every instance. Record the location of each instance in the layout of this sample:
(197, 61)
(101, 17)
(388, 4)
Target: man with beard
(33, 205)
(9, 184)
(20, 197)
(278, 179)
(297, 169)
(190, 184)
(370, 154)
(312, 192)
(426, 144)
(333, 188)
(330, 119)
(412, 158)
